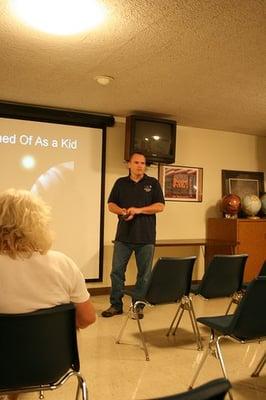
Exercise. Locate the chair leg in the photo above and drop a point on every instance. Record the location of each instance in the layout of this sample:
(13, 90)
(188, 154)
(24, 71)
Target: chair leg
(174, 319)
(202, 361)
(260, 365)
(82, 387)
(143, 339)
(181, 312)
(186, 304)
(213, 348)
(194, 323)
(229, 306)
(119, 337)
(219, 356)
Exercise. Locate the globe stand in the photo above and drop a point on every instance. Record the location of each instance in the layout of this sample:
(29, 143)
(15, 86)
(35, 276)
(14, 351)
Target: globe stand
(230, 216)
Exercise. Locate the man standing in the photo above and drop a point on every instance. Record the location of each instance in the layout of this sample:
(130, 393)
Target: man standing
(135, 199)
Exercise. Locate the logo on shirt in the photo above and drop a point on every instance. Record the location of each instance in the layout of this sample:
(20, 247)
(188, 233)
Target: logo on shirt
(147, 188)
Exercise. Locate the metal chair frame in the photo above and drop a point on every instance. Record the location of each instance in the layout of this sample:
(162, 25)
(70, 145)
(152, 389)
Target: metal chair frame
(133, 312)
(186, 304)
(81, 387)
(235, 299)
(259, 366)
(214, 349)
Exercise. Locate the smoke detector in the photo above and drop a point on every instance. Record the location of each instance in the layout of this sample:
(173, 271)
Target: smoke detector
(103, 79)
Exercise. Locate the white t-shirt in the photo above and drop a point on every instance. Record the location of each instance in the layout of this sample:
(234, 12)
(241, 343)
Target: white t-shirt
(41, 281)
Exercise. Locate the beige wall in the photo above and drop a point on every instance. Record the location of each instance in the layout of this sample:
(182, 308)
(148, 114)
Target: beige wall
(212, 150)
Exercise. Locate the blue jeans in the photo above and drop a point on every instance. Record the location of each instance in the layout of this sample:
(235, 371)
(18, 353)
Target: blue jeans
(121, 255)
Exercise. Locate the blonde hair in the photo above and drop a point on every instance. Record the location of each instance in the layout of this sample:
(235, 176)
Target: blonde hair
(24, 224)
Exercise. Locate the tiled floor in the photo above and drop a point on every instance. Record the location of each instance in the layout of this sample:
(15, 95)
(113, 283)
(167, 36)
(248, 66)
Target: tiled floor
(120, 371)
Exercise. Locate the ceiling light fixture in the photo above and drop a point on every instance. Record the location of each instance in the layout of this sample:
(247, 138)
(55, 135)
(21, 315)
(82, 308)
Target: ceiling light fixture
(59, 17)
(103, 79)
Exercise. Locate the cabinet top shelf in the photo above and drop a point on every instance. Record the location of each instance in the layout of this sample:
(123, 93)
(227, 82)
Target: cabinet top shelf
(232, 220)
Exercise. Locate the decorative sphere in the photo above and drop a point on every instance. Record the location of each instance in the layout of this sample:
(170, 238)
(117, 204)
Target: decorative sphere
(263, 203)
(251, 205)
(231, 204)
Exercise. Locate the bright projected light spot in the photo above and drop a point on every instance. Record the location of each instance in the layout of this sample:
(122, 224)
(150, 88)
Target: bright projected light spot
(28, 162)
(59, 17)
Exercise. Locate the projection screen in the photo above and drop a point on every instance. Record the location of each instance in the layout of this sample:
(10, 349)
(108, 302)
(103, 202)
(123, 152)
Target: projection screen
(62, 164)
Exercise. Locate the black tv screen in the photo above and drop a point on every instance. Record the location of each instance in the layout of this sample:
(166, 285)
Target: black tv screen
(155, 138)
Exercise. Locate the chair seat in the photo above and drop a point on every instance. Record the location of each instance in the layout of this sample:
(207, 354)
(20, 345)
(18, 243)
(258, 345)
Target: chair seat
(219, 323)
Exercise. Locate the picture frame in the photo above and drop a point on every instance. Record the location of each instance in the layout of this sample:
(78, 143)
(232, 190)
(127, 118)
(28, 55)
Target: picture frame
(181, 183)
(242, 183)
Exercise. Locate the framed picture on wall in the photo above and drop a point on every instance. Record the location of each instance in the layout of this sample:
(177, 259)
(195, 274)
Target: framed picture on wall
(181, 183)
(242, 183)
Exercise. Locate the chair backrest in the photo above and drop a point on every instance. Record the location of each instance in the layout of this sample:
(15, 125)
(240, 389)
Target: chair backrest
(38, 347)
(223, 276)
(249, 320)
(213, 390)
(170, 279)
(263, 269)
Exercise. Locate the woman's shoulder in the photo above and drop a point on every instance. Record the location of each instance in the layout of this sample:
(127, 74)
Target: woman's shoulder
(60, 260)
(58, 255)
(53, 257)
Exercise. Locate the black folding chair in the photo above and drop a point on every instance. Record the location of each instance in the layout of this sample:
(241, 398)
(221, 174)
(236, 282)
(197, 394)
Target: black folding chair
(245, 325)
(170, 283)
(39, 351)
(223, 278)
(213, 390)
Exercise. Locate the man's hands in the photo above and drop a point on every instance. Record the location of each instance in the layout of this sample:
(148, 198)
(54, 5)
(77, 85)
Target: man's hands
(128, 214)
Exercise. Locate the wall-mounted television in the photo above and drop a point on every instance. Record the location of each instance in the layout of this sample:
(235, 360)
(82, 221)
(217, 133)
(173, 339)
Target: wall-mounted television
(155, 138)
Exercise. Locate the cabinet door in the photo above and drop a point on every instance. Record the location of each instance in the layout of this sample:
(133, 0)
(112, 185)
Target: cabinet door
(252, 240)
(221, 238)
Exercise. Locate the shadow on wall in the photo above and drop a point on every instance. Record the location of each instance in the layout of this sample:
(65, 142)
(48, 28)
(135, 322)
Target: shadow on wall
(214, 211)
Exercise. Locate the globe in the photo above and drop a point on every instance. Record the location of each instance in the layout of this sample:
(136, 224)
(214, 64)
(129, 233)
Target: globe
(251, 205)
(263, 203)
(231, 205)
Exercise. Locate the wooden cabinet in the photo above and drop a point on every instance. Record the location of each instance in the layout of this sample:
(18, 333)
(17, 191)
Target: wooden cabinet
(236, 236)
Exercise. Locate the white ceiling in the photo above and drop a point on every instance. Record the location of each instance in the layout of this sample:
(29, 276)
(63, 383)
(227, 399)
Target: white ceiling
(201, 62)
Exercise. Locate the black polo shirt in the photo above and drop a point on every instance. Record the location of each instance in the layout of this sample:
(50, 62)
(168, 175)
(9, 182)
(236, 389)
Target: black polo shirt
(127, 193)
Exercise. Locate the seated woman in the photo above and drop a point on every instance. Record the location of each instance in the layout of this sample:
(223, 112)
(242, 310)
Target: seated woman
(32, 275)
